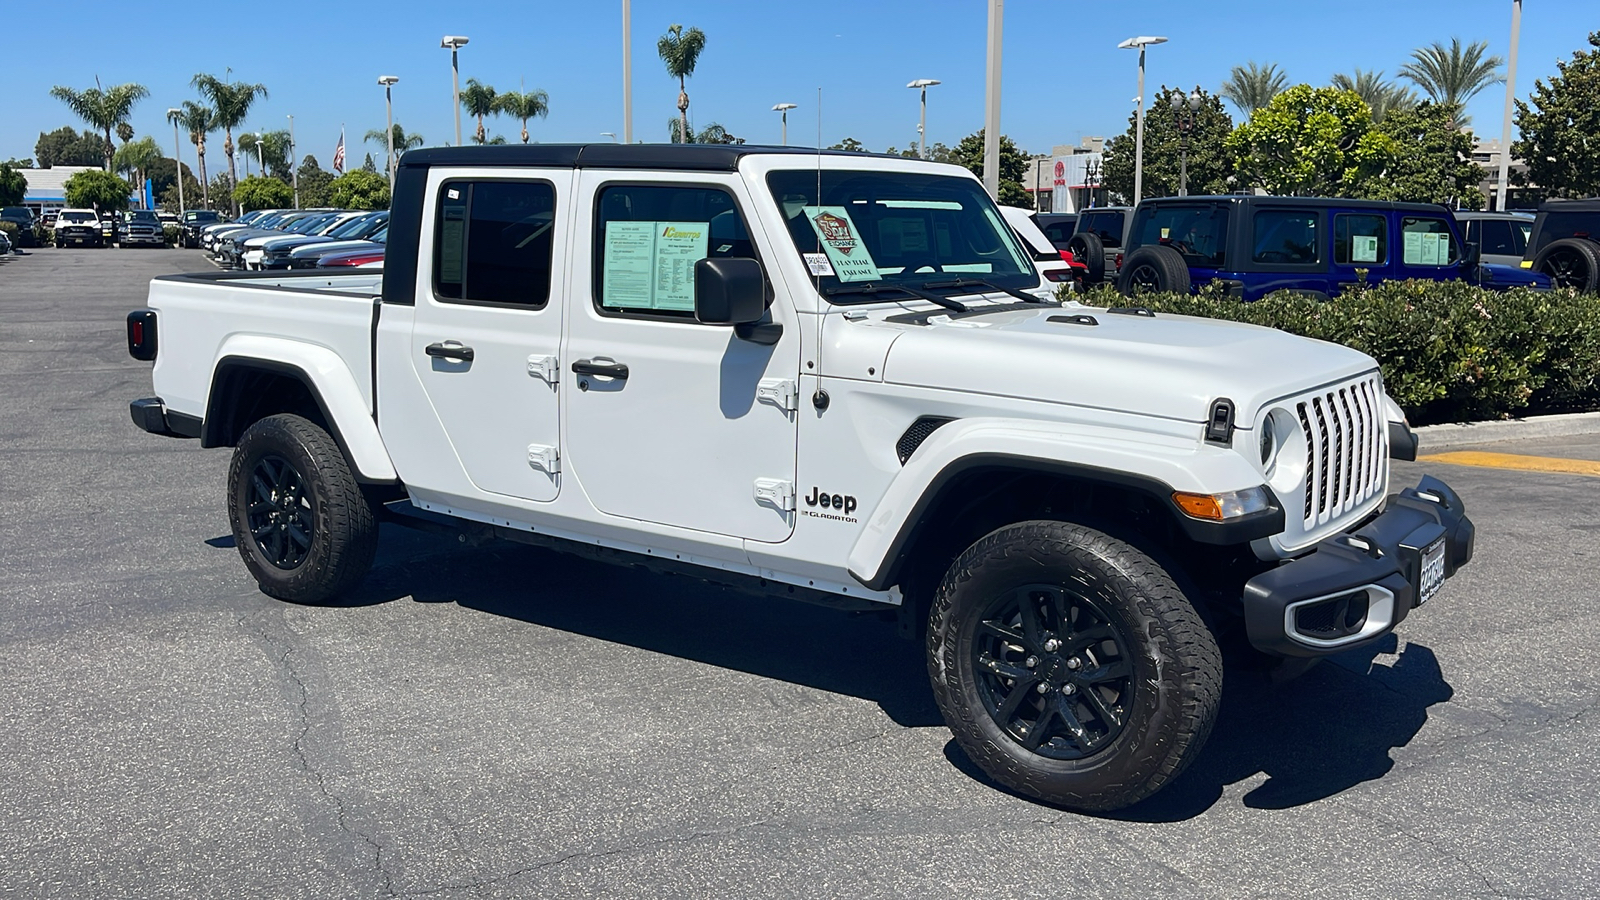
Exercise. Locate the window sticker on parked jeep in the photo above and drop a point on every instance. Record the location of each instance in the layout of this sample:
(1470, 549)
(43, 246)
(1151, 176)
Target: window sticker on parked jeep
(842, 243)
(1426, 249)
(1364, 248)
(650, 265)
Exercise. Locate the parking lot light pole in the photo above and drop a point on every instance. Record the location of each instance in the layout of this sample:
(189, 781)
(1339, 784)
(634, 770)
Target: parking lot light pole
(1511, 91)
(1184, 109)
(1139, 43)
(294, 170)
(991, 101)
(388, 82)
(177, 157)
(627, 72)
(784, 109)
(922, 84)
(454, 42)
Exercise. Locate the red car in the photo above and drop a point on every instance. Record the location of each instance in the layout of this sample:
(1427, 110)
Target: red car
(365, 257)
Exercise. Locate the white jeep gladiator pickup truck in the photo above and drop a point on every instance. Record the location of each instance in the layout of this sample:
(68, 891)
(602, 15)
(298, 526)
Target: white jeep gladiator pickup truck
(826, 376)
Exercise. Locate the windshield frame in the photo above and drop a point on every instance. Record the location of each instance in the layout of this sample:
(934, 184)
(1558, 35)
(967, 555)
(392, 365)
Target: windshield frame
(897, 174)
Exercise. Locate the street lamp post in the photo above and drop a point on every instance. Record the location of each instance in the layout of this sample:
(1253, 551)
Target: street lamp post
(1184, 109)
(784, 109)
(453, 43)
(388, 82)
(991, 103)
(627, 72)
(1091, 171)
(1511, 91)
(177, 156)
(294, 164)
(922, 84)
(1139, 43)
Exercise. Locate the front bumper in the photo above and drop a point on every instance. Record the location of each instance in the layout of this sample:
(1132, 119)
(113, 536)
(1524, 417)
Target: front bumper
(152, 239)
(1354, 588)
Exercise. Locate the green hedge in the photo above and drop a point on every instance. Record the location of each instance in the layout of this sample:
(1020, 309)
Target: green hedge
(1450, 352)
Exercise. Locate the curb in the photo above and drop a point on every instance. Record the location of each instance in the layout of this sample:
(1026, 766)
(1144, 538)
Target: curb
(1442, 437)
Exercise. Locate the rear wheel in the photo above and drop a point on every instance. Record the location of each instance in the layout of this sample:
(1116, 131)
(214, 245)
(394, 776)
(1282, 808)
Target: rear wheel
(1571, 263)
(1087, 248)
(1070, 667)
(1154, 268)
(304, 527)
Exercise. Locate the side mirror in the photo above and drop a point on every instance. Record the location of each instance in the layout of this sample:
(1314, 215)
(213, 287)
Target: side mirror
(1470, 254)
(729, 291)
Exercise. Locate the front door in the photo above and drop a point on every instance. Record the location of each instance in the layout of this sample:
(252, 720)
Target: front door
(487, 328)
(670, 421)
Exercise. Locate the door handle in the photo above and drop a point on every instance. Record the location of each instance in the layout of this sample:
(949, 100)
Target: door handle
(610, 370)
(449, 350)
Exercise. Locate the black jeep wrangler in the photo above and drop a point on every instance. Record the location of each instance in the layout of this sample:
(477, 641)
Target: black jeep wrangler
(1565, 243)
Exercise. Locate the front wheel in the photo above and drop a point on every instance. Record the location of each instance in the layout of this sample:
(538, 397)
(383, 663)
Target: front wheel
(1070, 667)
(306, 530)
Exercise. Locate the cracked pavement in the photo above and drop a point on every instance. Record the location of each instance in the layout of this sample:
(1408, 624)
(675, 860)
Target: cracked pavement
(500, 721)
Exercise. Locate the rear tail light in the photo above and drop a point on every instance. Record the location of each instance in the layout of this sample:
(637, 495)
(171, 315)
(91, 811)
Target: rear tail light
(1119, 260)
(142, 334)
(1058, 275)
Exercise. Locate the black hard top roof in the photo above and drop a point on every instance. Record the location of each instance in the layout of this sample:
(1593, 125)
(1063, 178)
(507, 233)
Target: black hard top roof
(1590, 205)
(1264, 200)
(697, 157)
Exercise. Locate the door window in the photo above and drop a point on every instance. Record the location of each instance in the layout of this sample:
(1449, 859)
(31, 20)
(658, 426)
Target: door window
(649, 237)
(1199, 232)
(493, 242)
(1427, 242)
(1502, 236)
(1360, 240)
(1286, 237)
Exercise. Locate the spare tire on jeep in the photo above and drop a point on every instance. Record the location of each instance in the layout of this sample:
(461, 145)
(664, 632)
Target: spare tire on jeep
(1153, 268)
(1571, 263)
(1087, 248)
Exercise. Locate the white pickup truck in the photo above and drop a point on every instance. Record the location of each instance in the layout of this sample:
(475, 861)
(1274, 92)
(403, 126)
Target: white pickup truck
(825, 376)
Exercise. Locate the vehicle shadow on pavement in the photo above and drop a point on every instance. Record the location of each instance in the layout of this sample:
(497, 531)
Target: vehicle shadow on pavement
(855, 654)
(1313, 736)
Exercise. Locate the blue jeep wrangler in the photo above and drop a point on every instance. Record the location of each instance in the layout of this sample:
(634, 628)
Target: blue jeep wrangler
(1316, 246)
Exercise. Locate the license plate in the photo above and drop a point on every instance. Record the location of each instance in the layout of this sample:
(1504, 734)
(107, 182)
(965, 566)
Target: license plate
(1432, 571)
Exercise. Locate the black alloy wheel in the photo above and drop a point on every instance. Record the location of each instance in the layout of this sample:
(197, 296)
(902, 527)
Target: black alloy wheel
(280, 513)
(1053, 671)
(1143, 278)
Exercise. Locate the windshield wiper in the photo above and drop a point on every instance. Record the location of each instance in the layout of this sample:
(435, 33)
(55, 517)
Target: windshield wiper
(979, 282)
(870, 289)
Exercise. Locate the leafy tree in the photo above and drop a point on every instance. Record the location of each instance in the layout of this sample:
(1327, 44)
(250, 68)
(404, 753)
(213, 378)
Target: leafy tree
(716, 134)
(124, 132)
(360, 189)
(274, 148)
(367, 165)
(19, 163)
(1210, 165)
(263, 192)
(850, 144)
(1559, 128)
(199, 121)
(1451, 76)
(1310, 142)
(1250, 87)
(1380, 96)
(479, 100)
(676, 134)
(13, 185)
(525, 105)
(680, 51)
(163, 175)
(220, 194)
(137, 157)
(1432, 160)
(316, 184)
(102, 109)
(402, 142)
(1013, 165)
(98, 190)
(940, 153)
(68, 147)
(230, 104)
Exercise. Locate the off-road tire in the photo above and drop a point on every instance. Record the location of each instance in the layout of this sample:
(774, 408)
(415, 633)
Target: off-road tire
(1087, 248)
(1153, 268)
(1571, 262)
(343, 536)
(1176, 668)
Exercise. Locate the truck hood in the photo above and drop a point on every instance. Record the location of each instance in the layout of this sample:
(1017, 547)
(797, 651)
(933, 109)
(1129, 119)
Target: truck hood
(1167, 366)
(317, 249)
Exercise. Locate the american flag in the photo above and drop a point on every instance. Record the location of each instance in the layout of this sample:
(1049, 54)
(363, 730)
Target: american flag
(338, 154)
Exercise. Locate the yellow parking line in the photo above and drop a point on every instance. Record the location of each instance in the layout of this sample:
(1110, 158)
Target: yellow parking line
(1514, 461)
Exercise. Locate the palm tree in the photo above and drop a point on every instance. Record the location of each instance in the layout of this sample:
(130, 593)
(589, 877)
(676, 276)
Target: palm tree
(199, 121)
(137, 157)
(525, 105)
(1251, 87)
(1380, 96)
(230, 102)
(402, 141)
(480, 100)
(677, 133)
(247, 146)
(102, 109)
(680, 50)
(124, 132)
(1451, 76)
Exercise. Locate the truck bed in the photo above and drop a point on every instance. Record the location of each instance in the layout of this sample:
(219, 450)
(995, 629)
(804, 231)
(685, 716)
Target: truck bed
(211, 314)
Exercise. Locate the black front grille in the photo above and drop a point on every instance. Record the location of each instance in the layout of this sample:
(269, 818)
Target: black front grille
(916, 434)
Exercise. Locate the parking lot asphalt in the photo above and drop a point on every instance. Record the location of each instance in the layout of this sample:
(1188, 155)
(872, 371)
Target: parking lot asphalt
(501, 721)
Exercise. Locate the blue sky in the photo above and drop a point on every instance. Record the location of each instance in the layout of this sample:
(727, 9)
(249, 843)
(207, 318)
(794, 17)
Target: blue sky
(1063, 79)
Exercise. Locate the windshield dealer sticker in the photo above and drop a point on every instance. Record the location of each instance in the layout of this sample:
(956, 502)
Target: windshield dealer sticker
(818, 263)
(842, 244)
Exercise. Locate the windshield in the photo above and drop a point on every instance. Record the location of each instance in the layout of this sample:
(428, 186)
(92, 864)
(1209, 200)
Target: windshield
(195, 216)
(16, 212)
(349, 228)
(381, 236)
(891, 229)
(142, 215)
(77, 217)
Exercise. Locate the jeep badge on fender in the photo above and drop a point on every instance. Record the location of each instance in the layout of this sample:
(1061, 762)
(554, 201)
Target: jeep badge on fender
(843, 503)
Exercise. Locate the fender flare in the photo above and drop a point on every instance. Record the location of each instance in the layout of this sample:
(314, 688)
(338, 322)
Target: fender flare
(331, 384)
(1156, 465)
